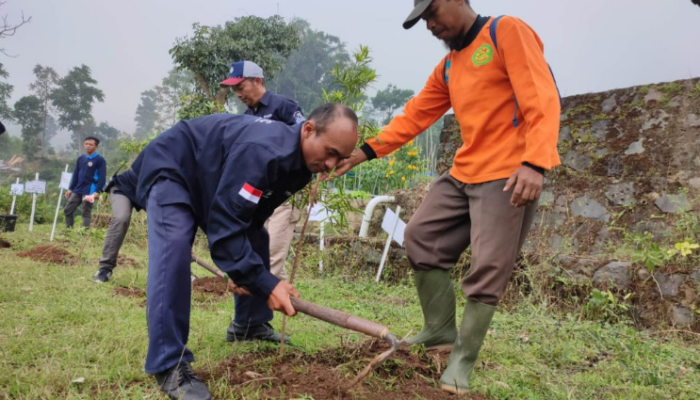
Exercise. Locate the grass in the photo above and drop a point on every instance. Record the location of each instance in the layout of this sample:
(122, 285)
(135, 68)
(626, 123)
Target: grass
(63, 337)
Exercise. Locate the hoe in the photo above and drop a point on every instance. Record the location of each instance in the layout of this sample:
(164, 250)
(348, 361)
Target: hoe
(337, 318)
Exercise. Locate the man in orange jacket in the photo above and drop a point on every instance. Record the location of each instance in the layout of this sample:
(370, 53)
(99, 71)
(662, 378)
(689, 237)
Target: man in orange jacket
(507, 105)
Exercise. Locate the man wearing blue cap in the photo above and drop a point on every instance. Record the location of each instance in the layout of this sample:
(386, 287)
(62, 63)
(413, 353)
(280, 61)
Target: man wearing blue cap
(246, 78)
(252, 317)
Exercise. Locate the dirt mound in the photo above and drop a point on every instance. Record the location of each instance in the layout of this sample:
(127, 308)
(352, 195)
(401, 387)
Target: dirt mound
(132, 293)
(48, 253)
(124, 261)
(404, 376)
(4, 244)
(212, 286)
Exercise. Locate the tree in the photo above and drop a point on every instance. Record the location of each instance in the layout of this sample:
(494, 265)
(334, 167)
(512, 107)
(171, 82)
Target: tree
(50, 130)
(8, 29)
(386, 102)
(28, 114)
(74, 98)
(9, 146)
(5, 93)
(307, 71)
(171, 92)
(159, 106)
(109, 138)
(43, 87)
(209, 53)
(146, 114)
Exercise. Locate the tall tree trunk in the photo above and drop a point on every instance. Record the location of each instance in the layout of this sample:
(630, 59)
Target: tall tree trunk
(202, 84)
(43, 136)
(222, 95)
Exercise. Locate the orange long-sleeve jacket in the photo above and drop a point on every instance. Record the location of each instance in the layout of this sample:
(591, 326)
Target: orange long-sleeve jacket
(481, 83)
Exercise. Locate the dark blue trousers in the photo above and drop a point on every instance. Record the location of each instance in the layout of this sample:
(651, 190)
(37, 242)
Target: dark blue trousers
(171, 230)
(253, 310)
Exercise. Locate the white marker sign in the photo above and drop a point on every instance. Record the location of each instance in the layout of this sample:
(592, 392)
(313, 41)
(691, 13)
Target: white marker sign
(318, 213)
(388, 224)
(65, 180)
(35, 187)
(17, 189)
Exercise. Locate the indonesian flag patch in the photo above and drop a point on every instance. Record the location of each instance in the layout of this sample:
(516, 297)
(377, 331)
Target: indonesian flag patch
(250, 193)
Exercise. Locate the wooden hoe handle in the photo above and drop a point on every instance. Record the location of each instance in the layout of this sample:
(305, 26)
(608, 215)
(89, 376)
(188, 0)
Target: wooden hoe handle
(332, 316)
(341, 319)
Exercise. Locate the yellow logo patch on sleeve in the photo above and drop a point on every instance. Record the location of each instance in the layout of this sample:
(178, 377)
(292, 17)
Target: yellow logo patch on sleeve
(483, 55)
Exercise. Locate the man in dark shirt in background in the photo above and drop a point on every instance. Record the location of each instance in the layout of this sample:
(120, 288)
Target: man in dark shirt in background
(88, 179)
(252, 317)
(246, 79)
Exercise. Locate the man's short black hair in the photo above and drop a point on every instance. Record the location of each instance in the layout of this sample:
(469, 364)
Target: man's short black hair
(96, 140)
(325, 114)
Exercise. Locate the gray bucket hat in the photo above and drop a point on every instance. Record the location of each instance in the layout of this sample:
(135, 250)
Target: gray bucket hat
(419, 8)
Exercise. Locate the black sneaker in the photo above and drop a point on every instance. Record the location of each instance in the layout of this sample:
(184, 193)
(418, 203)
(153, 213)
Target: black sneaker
(180, 382)
(238, 333)
(102, 275)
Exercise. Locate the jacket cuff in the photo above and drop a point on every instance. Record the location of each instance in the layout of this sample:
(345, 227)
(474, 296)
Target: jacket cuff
(264, 284)
(369, 151)
(535, 167)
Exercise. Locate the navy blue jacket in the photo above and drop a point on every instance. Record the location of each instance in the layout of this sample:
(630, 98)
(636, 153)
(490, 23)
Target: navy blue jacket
(279, 108)
(89, 175)
(236, 169)
(271, 106)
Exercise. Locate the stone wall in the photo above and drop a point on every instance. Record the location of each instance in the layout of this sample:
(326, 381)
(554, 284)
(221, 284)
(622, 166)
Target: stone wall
(631, 164)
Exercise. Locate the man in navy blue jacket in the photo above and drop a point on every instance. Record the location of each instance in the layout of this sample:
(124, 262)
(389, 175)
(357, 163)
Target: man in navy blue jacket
(88, 179)
(246, 79)
(225, 174)
(252, 317)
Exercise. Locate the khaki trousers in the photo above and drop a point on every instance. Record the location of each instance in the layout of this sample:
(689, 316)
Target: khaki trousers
(455, 215)
(280, 226)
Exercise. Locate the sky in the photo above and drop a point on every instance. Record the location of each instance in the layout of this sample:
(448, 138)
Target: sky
(592, 45)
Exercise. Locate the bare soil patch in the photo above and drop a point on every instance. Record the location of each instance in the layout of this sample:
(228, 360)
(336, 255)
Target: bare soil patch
(48, 254)
(405, 375)
(132, 293)
(211, 286)
(125, 261)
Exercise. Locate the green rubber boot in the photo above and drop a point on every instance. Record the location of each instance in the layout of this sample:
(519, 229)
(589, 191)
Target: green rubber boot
(475, 324)
(437, 299)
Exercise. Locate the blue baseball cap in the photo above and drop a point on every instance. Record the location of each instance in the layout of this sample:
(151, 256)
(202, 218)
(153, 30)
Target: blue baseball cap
(241, 70)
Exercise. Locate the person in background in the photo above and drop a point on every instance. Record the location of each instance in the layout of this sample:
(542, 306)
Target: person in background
(88, 179)
(246, 80)
(122, 191)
